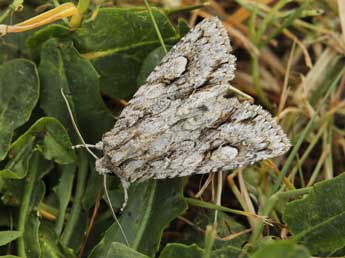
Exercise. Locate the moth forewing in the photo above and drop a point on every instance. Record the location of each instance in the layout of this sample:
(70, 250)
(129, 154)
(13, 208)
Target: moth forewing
(182, 121)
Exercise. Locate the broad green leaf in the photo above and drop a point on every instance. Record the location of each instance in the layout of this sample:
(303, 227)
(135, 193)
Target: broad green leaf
(149, 64)
(37, 38)
(19, 92)
(152, 205)
(10, 256)
(176, 250)
(51, 248)
(183, 27)
(229, 251)
(317, 221)
(13, 45)
(117, 42)
(62, 67)
(17, 167)
(12, 190)
(49, 137)
(286, 249)
(118, 250)
(8, 236)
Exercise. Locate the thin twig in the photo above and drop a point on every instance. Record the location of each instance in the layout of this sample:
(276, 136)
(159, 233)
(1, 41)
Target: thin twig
(90, 226)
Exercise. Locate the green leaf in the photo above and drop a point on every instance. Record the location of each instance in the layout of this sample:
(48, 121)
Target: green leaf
(150, 62)
(77, 236)
(36, 39)
(64, 192)
(183, 27)
(51, 248)
(117, 42)
(93, 189)
(176, 250)
(28, 221)
(19, 92)
(286, 249)
(49, 137)
(152, 205)
(8, 236)
(17, 167)
(120, 26)
(31, 237)
(13, 44)
(118, 250)
(317, 221)
(77, 220)
(62, 67)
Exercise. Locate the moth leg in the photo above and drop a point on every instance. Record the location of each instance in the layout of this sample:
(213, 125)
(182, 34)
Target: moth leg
(78, 146)
(241, 94)
(100, 168)
(125, 186)
(99, 145)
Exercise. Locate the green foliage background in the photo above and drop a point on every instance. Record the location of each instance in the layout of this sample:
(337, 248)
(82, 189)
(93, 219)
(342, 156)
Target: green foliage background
(52, 201)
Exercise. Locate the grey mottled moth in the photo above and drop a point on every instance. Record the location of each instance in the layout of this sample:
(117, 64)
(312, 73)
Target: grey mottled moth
(183, 121)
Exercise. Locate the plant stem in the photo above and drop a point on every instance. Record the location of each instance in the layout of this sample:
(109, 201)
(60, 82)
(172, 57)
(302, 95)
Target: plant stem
(16, 5)
(156, 27)
(77, 18)
(329, 173)
(270, 205)
(304, 134)
(219, 196)
(210, 236)
(306, 153)
(25, 203)
(294, 193)
(256, 79)
(212, 206)
(5, 15)
(187, 8)
(80, 189)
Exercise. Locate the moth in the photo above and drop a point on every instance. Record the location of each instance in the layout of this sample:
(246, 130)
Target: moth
(185, 120)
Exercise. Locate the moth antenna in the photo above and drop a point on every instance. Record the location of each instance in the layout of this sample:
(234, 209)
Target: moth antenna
(75, 125)
(95, 156)
(112, 210)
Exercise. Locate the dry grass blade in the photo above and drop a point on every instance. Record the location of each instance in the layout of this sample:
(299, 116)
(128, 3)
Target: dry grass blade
(341, 6)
